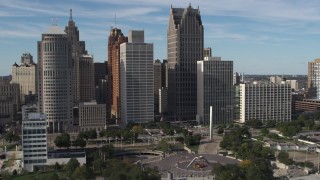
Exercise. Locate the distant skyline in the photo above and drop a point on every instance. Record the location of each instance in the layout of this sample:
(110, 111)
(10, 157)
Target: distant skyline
(261, 37)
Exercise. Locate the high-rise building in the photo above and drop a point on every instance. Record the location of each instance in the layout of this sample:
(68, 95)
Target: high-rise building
(86, 80)
(157, 83)
(207, 52)
(10, 91)
(185, 47)
(313, 79)
(100, 71)
(25, 75)
(34, 141)
(265, 101)
(100, 79)
(236, 78)
(215, 88)
(55, 77)
(163, 100)
(116, 38)
(164, 73)
(136, 78)
(78, 49)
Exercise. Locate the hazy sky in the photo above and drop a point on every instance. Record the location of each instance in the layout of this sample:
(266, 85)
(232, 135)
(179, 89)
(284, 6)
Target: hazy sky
(260, 36)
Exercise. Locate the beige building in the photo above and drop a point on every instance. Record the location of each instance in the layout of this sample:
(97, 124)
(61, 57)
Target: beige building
(86, 78)
(313, 79)
(54, 84)
(25, 75)
(92, 116)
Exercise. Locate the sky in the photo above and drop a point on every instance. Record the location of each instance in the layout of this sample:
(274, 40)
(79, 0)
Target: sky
(261, 37)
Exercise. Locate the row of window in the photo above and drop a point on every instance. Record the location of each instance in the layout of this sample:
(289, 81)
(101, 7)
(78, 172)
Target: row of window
(34, 131)
(34, 155)
(32, 146)
(34, 141)
(35, 150)
(32, 161)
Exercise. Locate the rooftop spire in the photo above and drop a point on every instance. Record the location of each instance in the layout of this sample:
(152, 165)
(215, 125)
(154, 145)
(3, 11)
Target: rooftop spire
(70, 19)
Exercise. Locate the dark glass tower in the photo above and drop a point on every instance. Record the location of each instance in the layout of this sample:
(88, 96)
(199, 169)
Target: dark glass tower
(185, 48)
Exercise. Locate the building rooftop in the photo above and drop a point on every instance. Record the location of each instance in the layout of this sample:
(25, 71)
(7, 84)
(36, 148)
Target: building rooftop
(54, 30)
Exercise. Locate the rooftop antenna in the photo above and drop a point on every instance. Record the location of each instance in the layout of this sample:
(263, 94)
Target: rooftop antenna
(70, 18)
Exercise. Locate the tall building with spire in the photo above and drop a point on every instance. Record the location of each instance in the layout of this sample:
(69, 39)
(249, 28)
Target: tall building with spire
(185, 48)
(116, 38)
(54, 79)
(82, 66)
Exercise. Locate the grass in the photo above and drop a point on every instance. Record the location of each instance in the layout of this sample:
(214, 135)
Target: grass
(38, 175)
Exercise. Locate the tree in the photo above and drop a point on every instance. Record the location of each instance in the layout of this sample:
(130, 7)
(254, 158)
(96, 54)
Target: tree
(82, 173)
(63, 140)
(283, 157)
(79, 142)
(92, 134)
(57, 166)
(220, 130)
(164, 146)
(71, 166)
(264, 131)
(11, 136)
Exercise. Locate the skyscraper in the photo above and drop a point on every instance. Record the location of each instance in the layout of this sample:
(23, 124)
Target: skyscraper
(136, 78)
(313, 79)
(78, 49)
(113, 105)
(54, 73)
(185, 47)
(157, 84)
(215, 88)
(25, 75)
(86, 80)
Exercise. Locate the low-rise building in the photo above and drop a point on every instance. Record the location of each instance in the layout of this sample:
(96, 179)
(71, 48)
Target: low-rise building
(92, 116)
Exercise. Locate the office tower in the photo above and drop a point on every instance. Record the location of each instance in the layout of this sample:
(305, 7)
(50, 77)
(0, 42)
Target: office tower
(55, 73)
(185, 48)
(92, 116)
(25, 75)
(215, 88)
(207, 52)
(10, 91)
(100, 71)
(136, 78)
(157, 83)
(313, 79)
(27, 109)
(34, 141)
(9, 101)
(77, 49)
(163, 100)
(116, 38)
(164, 73)
(236, 78)
(265, 101)
(275, 79)
(86, 80)
(100, 79)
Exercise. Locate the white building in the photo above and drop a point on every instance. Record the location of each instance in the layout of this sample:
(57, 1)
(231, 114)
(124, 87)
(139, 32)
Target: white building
(265, 101)
(92, 116)
(136, 78)
(34, 141)
(54, 72)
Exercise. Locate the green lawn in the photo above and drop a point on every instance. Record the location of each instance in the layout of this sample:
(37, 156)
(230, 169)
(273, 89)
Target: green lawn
(33, 176)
